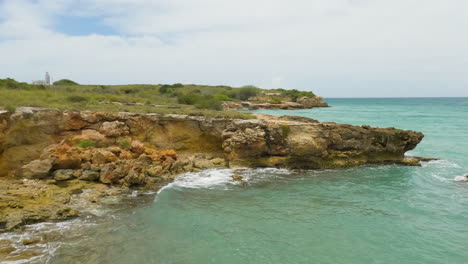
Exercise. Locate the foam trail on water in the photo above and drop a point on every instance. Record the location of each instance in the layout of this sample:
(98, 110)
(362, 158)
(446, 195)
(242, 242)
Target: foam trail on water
(204, 179)
(216, 178)
(441, 164)
(461, 179)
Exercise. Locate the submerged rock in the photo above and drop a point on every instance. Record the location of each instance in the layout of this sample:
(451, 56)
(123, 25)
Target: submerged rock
(239, 179)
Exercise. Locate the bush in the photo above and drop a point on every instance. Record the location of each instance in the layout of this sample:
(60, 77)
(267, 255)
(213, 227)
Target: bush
(165, 89)
(276, 101)
(209, 103)
(11, 83)
(130, 91)
(86, 143)
(222, 97)
(295, 94)
(248, 91)
(10, 108)
(285, 131)
(77, 98)
(189, 99)
(199, 101)
(124, 143)
(65, 82)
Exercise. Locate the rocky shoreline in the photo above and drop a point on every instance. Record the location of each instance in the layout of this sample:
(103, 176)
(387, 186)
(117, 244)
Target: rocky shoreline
(301, 103)
(49, 159)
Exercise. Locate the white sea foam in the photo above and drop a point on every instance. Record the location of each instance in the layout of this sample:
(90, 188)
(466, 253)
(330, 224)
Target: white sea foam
(222, 178)
(461, 179)
(205, 179)
(441, 164)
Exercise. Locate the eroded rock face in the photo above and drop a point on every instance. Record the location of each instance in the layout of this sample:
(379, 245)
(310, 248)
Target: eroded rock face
(59, 153)
(301, 103)
(279, 142)
(292, 142)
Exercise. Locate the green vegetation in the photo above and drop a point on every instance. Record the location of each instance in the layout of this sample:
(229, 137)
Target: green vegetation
(248, 91)
(176, 98)
(295, 94)
(276, 100)
(86, 143)
(124, 143)
(65, 82)
(285, 131)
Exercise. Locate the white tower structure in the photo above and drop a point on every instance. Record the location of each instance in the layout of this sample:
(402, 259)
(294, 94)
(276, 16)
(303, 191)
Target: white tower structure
(47, 78)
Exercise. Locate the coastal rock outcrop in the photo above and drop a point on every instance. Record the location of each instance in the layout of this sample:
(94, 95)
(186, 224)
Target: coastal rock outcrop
(301, 103)
(66, 152)
(292, 143)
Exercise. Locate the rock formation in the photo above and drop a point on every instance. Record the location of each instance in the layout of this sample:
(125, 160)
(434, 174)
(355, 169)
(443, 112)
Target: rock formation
(301, 103)
(68, 151)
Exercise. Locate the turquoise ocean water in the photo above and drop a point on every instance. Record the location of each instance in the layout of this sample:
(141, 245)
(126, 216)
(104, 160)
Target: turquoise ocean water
(372, 214)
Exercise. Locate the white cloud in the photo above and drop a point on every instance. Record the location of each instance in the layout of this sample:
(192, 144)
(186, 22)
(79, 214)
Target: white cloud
(333, 47)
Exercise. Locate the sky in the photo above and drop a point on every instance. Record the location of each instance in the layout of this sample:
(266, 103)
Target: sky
(335, 48)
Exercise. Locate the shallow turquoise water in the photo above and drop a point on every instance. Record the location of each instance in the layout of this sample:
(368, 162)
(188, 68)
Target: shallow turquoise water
(386, 214)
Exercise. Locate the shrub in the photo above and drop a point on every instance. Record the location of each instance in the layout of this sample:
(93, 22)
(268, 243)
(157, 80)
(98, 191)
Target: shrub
(295, 94)
(209, 103)
(189, 99)
(285, 130)
(222, 97)
(86, 143)
(165, 88)
(130, 91)
(276, 101)
(65, 82)
(124, 143)
(77, 98)
(11, 83)
(248, 91)
(10, 108)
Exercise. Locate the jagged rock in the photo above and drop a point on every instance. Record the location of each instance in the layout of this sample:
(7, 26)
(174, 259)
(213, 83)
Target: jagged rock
(240, 179)
(66, 157)
(237, 177)
(72, 121)
(218, 162)
(310, 102)
(103, 156)
(89, 175)
(37, 169)
(63, 175)
(94, 136)
(114, 129)
(108, 175)
(134, 177)
(301, 103)
(137, 147)
(203, 164)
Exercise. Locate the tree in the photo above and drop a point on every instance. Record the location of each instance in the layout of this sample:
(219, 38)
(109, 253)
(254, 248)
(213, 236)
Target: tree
(248, 91)
(65, 82)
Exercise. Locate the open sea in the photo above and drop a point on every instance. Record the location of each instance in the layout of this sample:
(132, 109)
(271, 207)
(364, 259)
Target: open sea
(372, 214)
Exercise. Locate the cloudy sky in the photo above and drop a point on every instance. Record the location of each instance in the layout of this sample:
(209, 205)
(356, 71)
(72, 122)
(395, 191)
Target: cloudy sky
(336, 48)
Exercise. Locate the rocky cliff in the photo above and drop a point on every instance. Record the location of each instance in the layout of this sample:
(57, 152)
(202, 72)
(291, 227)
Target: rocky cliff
(50, 154)
(301, 103)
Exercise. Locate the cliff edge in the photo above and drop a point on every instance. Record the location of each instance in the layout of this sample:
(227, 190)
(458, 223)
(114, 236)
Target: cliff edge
(49, 158)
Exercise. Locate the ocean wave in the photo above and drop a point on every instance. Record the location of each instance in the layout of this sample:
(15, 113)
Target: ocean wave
(441, 164)
(461, 179)
(222, 178)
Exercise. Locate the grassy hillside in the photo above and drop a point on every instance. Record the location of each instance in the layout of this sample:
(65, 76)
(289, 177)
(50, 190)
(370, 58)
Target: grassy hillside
(175, 98)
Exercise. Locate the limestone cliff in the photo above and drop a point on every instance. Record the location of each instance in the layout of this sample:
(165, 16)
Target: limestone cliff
(48, 158)
(301, 103)
(291, 142)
